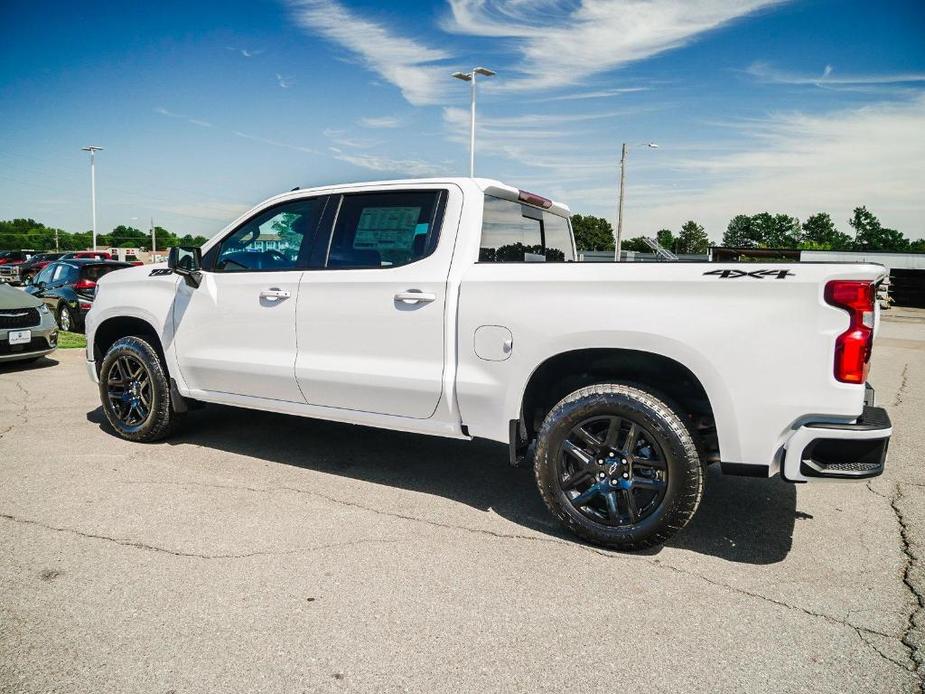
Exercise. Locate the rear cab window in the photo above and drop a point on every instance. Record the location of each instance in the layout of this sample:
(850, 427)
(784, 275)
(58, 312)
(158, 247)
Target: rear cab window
(514, 232)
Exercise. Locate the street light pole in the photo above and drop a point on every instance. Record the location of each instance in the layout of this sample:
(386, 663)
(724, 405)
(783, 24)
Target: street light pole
(93, 149)
(470, 78)
(619, 240)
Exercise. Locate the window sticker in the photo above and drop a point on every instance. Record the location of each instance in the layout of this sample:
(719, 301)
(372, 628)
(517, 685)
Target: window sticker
(387, 228)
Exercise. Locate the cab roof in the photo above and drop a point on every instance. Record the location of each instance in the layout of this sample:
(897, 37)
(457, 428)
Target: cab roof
(488, 186)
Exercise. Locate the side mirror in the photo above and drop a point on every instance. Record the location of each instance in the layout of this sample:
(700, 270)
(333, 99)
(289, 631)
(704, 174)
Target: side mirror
(186, 261)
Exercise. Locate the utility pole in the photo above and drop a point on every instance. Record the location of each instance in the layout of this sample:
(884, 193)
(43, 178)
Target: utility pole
(56, 240)
(93, 149)
(619, 241)
(470, 78)
(153, 241)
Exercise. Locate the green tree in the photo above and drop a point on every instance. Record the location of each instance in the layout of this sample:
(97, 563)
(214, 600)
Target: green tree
(636, 244)
(692, 239)
(741, 233)
(776, 231)
(869, 235)
(129, 237)
(666, 239)
(820, 233)
(592, 233)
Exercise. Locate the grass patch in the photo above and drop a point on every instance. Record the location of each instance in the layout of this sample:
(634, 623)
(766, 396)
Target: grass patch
(71, 341)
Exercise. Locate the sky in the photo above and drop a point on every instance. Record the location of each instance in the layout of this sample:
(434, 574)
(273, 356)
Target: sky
(206, 108)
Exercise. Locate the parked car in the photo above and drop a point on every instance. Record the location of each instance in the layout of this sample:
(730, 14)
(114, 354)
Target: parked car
(20, 274)
(27, 328)
(10, 261)
(68, 288)
(454, 307)
(90, 255)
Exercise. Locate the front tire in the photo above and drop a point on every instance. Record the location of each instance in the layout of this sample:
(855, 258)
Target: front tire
(135, 391)
(618, 467)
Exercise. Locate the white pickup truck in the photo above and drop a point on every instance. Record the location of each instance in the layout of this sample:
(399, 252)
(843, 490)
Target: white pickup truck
(455, 307)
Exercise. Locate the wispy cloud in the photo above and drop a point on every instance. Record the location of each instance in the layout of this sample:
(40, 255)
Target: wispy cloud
(275, 143)
(874, 156)
(598, 94)
(246, 52)
(379, 122)
(403, 167)
(341, 138)
(209, 210)
(283, 81)
(170, 114)
(399, 60)
(829, 77)
(564, 43)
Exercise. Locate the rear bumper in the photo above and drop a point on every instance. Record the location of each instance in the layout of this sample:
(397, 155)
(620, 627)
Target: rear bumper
(839, 451)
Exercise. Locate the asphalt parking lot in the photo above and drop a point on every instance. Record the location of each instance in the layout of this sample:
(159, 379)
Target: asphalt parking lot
(258, 552)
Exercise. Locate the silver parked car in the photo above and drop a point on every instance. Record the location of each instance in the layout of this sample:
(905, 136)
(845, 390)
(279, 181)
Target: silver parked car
(27, 328)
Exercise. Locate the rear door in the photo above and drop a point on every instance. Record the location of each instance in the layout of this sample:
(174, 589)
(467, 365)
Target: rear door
(371, 315)
(236, 333)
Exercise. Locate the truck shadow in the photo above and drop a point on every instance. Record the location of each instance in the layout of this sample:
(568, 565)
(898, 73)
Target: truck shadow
(740, 519)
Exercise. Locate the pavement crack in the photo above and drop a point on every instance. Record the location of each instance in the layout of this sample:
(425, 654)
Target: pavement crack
(536, 538)
(903, 386)
(910, 639)
(23, 414)
(773, 601)
(905, 666)
(137, 544)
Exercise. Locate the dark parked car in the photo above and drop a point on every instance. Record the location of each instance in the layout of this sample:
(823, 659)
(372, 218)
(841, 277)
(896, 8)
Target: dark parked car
(68, 288)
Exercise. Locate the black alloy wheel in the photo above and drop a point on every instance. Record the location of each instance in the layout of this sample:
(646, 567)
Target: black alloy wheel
(618, 466)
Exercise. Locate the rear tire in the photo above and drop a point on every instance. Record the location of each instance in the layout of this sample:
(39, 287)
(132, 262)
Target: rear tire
(618, 467)
(135, 392)
(66, 319)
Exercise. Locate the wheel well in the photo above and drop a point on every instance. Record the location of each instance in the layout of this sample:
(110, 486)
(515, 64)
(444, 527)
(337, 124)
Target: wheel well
(114, 329)
(564, 373)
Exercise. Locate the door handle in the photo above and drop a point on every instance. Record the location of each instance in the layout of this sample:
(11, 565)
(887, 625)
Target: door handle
(415, 297)
(275, 294)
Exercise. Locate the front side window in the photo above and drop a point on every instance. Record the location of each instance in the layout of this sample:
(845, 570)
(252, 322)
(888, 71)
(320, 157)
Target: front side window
(514, 232)
(45, 274)
(273, 240)
(376, 230)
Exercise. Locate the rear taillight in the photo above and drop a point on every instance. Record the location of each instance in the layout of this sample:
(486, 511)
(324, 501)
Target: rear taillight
(852, 347)
(85, 286)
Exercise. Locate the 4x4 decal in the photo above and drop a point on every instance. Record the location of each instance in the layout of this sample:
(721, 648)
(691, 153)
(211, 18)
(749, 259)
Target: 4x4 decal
(757, 274)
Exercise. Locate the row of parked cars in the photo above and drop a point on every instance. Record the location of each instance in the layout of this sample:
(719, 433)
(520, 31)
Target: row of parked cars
(59, 290)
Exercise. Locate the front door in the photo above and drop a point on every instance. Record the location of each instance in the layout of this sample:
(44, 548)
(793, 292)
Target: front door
(236, 332)
(371, 325)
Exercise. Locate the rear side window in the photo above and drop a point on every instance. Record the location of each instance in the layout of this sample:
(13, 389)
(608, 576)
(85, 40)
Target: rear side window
(94, 272)
(375, 230)
(516, 233)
